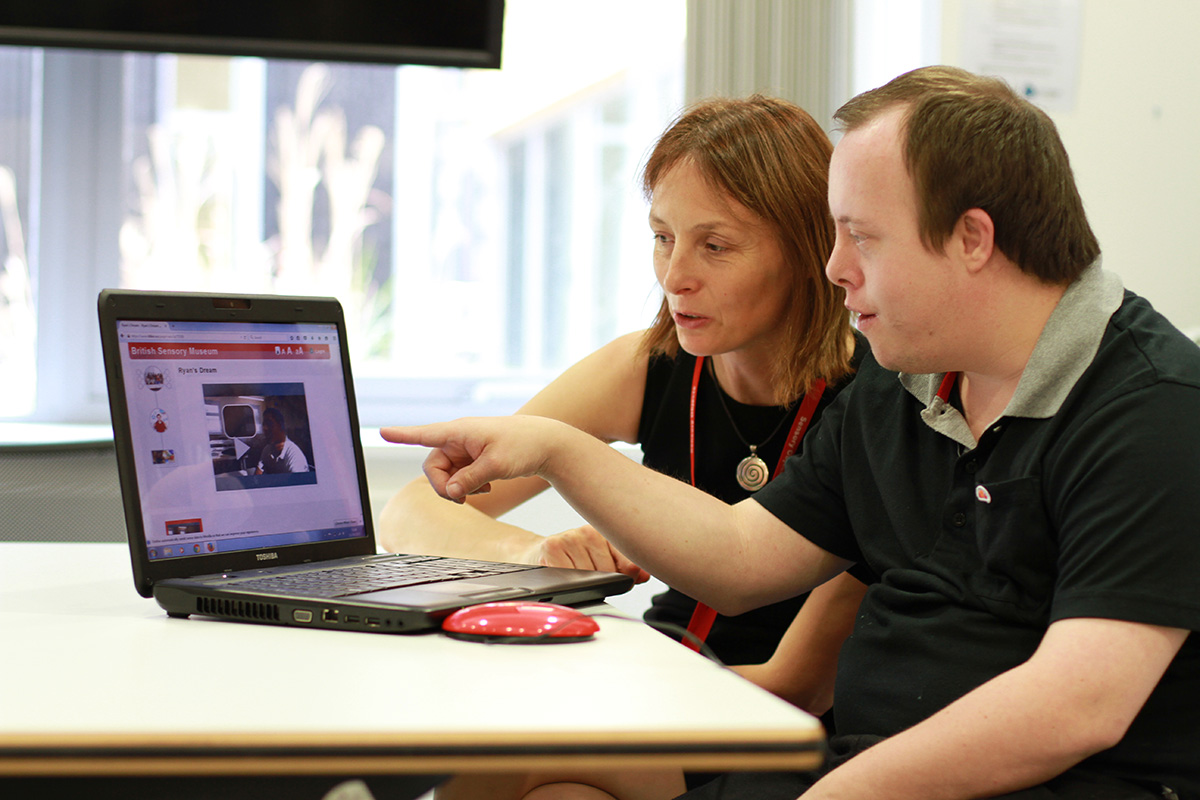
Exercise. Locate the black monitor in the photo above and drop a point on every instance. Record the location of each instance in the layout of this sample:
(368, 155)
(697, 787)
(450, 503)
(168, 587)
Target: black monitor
(453, 33)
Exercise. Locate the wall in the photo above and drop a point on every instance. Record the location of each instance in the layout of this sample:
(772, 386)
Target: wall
(1134, 142)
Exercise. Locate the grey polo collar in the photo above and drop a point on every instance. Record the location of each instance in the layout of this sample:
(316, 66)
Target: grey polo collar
(1063, 351)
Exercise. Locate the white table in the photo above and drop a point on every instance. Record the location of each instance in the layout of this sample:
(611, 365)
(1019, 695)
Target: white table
(95, 680)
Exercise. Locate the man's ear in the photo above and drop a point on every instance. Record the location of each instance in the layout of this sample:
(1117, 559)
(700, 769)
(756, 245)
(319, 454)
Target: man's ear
(975, 238)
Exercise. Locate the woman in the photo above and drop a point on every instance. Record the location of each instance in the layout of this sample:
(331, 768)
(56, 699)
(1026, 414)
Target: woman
(749, 345)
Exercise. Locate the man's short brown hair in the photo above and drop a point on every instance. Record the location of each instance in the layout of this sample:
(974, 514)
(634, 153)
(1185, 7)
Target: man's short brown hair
(972, 142)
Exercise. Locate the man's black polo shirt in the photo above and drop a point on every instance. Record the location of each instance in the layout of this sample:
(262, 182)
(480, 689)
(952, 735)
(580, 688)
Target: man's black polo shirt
(1080, 501)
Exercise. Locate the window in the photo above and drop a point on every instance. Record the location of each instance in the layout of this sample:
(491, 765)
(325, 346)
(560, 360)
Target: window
(18, 322)
(482, 228)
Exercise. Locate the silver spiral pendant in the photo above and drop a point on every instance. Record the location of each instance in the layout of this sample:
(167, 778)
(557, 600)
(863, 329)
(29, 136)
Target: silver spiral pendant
(752, 473)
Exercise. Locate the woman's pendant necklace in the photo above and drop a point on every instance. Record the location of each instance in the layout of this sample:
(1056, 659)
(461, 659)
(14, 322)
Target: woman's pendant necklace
(752, 472)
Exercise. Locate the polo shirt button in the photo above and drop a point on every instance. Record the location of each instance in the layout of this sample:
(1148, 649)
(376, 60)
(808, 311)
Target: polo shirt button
(959, 519)
(970, 467)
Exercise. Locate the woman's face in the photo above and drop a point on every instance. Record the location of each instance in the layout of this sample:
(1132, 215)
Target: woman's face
(720, 266)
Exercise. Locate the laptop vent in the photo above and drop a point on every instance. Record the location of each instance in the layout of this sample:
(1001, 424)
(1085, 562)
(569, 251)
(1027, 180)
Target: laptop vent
(240, 609)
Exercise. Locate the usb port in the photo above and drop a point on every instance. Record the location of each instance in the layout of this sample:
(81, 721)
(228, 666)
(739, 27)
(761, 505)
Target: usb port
(351, 619)
(374, 622)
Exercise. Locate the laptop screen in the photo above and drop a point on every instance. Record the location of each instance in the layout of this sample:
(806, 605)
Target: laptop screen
(241, 435)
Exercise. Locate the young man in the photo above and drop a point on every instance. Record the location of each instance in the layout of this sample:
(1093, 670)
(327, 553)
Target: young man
(1015, 465)
(280, 454)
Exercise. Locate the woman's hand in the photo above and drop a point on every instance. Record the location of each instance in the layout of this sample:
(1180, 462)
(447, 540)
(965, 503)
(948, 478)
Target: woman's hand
(583, 548)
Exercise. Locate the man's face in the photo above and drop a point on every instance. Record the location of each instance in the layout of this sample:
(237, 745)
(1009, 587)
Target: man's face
(902, 295)
(272, 430)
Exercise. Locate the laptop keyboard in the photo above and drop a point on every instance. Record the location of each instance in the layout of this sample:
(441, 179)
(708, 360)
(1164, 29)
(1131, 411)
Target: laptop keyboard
(374, 576)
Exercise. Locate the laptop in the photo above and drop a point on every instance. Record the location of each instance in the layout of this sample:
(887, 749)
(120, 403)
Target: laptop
(243, 481)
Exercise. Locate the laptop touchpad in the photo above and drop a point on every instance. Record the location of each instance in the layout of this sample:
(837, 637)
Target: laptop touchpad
(477, 591)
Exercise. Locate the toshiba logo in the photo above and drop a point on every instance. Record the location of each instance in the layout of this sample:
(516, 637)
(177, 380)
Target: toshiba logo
(267, 556)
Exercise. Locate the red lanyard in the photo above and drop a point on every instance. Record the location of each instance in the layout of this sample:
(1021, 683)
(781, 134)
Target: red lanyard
(703, 617)
(946, 387)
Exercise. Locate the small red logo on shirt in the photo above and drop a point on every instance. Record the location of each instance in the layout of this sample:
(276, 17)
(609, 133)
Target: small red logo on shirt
(982, 494)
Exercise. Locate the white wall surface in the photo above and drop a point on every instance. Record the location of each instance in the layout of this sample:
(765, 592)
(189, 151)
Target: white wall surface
(1134, 142)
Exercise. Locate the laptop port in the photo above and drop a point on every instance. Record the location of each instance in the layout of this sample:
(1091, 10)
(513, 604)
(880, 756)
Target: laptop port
(373, 622)
(302, 615)
(351, 619)
(329, 615)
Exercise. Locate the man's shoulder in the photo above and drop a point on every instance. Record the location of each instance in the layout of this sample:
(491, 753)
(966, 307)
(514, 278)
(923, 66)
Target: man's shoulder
(1141, 347)
(1146, 371)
